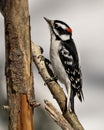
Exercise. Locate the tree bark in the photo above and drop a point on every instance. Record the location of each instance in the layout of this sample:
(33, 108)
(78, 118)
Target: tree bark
(20, 92)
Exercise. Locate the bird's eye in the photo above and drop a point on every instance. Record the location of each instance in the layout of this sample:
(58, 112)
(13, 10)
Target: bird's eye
(56, 26)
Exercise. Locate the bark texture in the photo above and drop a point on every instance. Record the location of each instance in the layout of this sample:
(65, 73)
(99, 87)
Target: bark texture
(20, 92)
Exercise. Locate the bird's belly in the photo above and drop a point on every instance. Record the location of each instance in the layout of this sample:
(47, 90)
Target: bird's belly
(56, 62)
(58, 68)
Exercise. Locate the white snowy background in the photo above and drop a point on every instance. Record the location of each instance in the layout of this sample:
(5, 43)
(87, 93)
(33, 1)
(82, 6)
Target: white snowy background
(86, 18)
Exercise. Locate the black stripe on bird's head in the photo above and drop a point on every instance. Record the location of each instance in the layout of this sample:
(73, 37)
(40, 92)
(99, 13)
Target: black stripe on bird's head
(60, 29)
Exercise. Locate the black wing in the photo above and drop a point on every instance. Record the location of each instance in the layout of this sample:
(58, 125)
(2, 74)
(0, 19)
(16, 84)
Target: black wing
(69, 58)
(49, 69)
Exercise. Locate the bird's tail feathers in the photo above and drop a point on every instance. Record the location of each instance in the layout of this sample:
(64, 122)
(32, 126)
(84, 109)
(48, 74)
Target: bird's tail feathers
(80, 95)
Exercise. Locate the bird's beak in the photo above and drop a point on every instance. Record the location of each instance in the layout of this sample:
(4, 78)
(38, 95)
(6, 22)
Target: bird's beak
(47, 20)
(50, 22)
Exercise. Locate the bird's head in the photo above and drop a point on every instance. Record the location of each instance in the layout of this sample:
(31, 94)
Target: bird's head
(60, 29)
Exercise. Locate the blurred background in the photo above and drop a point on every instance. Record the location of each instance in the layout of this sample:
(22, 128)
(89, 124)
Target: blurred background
(86, 18)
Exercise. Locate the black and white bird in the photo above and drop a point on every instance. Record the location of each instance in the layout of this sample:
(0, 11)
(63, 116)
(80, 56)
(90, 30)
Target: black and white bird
(65, 61)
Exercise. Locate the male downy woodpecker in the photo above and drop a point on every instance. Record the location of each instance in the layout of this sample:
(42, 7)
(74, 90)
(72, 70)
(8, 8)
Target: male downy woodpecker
(65, 61)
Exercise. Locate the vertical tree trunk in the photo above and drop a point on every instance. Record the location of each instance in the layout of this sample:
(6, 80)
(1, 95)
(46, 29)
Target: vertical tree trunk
(18, 64)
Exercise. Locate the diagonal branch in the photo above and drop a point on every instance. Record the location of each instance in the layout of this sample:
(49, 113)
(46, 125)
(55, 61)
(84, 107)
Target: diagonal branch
(54, 87)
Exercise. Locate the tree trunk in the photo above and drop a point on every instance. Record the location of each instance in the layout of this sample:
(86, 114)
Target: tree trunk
(19, 78)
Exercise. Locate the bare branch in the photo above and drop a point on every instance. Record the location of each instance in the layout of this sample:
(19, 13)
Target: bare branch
(56, 91)
(5, 107)
(57, 117)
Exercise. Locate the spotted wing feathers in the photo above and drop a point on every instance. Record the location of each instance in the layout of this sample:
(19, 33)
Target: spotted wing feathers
(72, 69)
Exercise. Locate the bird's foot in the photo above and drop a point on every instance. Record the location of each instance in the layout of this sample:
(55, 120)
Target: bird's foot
(50, 80)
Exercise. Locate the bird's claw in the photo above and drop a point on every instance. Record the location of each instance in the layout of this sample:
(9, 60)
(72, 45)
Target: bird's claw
(50, 80)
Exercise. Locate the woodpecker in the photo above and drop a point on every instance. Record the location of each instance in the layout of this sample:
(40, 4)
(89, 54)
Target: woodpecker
(65, 61)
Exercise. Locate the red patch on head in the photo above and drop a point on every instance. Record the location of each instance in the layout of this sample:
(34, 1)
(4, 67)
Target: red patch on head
(69, 30)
